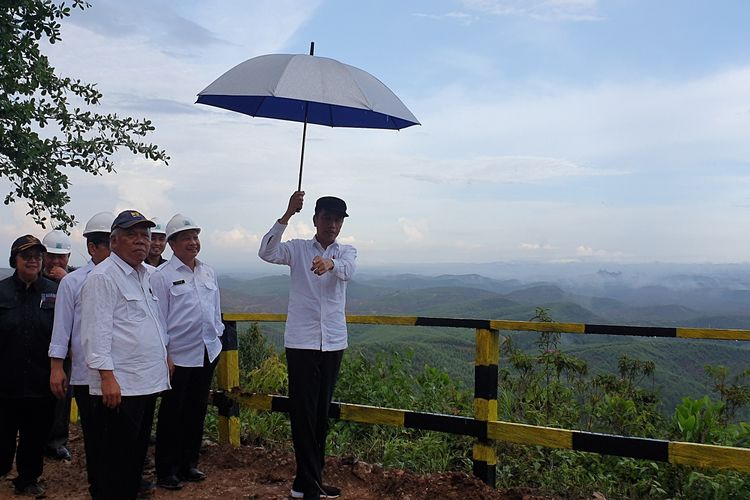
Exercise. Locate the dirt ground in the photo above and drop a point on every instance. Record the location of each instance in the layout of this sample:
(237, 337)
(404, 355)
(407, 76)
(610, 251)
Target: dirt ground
(259, 473)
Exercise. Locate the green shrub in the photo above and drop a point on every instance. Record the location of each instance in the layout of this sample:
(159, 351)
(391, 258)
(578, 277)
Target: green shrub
(545, 386)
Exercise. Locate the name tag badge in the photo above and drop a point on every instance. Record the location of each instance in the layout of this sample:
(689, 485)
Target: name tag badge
(47, 300)
(178, 282)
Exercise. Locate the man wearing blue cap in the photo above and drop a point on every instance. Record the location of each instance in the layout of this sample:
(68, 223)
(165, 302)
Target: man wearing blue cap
(315, 335)
(123, 342)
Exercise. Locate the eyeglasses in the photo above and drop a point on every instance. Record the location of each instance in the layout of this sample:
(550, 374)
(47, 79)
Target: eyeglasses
(30, 255)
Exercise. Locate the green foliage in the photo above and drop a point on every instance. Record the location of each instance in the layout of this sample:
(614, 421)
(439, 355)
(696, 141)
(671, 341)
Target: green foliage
(393, 381)
(547, 387)
(697, 420)
(261, 371)
(262, 428)
(43, 131)
(261, 368)
(543, 386)
(734, 392)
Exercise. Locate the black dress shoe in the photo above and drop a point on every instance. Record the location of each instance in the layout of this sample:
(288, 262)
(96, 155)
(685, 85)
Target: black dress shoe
(169, 483)
(192, 474)
(31, 490)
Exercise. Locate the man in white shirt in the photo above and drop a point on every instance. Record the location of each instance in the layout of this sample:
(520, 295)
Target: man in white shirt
(315, 335)
(188, 296)
(123, 342)
(55, 267)
(67, 332)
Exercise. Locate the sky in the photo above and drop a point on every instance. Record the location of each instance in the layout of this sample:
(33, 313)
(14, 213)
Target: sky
(551, 130)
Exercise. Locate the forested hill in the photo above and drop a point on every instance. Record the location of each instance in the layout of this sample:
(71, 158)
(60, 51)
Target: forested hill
(689, 301)
(711, 305)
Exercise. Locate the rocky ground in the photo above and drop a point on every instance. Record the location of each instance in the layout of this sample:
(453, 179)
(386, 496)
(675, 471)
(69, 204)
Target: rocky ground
(260, 473)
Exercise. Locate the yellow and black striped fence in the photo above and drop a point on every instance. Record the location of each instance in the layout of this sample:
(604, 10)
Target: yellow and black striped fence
(484, 426)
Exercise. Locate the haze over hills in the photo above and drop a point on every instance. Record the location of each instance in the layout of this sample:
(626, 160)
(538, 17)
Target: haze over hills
(700, 295)
(710, 296)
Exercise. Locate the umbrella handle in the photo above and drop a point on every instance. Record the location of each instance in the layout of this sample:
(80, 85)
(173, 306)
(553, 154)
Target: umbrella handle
(302, 154)
(304, 133)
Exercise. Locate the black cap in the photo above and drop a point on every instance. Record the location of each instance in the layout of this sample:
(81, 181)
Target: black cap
(331, 204)
(24, 243)
(129, 218)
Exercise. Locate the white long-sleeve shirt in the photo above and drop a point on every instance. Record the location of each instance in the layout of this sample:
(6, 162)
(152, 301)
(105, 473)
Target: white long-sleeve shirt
(316, 317)
(121, 329)
(190, 306)
(67, 328)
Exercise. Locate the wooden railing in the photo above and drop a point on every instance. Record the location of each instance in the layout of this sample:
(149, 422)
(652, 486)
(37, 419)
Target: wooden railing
(484, 426)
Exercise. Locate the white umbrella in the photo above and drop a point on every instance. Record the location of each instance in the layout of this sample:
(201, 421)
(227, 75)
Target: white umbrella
(308, 89)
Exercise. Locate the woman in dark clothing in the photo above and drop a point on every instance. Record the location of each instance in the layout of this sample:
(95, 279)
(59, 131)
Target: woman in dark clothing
(27, 302)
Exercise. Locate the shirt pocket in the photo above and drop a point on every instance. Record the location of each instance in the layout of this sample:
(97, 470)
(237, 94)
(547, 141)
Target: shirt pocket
(178, 290)
(9, 320)
(135, 307)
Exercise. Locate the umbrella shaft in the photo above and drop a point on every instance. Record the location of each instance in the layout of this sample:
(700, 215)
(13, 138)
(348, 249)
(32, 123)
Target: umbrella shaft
(302, 154)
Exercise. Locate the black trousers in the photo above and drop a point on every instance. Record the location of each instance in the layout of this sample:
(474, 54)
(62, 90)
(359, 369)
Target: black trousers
(58, 434)
(90, 436)
(312, 379)
(30, 420)
(182, 413)
(123, 441)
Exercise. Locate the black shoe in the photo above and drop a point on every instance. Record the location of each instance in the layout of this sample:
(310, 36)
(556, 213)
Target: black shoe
(327, 492)
(330, 491)
(169, 483)
(30, 490)
(192, 474)
(59, 453)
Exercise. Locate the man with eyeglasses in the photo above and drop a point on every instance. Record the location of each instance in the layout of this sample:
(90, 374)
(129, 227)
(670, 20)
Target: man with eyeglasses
(123, 342)
(27, 302)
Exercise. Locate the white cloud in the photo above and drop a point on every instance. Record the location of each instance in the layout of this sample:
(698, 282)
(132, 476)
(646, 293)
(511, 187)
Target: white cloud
(536, 246)
(504, 170)
(237, 237)
(587, 251)
(461, 17)
(414, 231)
(540, 10)
(18, 224)
(347, 240)
(299, 229)
(501, 158)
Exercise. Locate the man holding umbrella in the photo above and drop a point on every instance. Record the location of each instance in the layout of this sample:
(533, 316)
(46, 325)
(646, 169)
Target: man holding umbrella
(315, 335)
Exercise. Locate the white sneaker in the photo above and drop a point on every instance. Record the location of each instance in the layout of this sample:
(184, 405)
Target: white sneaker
(330, 492)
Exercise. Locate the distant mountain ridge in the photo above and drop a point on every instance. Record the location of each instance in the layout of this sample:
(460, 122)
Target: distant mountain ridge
(622, 301)
(475, 296)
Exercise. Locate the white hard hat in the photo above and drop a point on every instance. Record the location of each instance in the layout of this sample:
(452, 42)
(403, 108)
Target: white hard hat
(99, 223)
(159, 227)
(57, 241)
(180, 223)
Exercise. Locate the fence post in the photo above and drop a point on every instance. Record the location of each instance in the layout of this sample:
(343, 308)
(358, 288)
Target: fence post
(484, 457)
(228, 377)
(73, 411)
